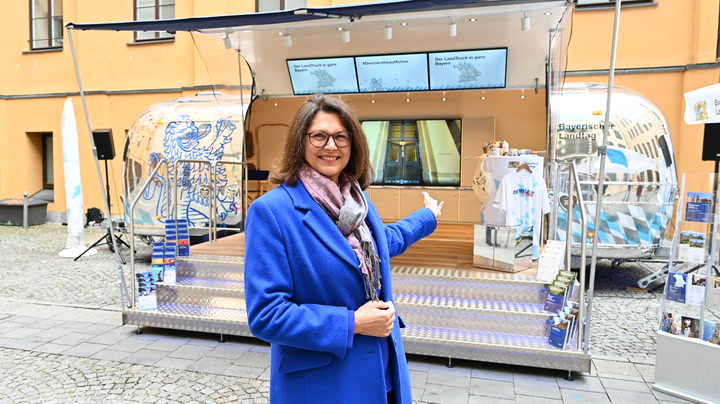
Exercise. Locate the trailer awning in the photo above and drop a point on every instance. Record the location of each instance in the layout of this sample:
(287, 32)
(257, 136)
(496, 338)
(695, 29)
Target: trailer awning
(354, 12)
(418, 26)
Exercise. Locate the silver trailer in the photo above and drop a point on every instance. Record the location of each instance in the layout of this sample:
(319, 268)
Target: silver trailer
(640, 184)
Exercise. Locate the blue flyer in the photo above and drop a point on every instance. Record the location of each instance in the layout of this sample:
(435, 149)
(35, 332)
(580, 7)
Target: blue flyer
(698, 207)
(677, 287)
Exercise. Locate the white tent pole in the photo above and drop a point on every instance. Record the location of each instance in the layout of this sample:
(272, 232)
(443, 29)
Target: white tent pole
(602, 153)
(116, 247)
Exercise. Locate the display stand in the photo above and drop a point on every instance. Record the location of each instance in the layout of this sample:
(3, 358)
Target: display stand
(687, 347)
(496, 245)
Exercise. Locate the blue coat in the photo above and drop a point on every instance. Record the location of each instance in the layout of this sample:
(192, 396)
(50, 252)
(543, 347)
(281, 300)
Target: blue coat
(302, 280)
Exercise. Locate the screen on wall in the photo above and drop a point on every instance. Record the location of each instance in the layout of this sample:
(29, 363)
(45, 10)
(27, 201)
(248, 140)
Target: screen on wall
(329, 75)
(381, 73)
(470, 69)
(420, 152)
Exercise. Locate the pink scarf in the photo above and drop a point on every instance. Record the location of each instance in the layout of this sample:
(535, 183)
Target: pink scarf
(347, 207)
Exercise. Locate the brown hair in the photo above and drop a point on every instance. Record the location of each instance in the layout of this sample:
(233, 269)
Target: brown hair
(358, 167)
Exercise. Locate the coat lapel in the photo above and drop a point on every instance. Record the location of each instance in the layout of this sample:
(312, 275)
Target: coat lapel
(320, 224)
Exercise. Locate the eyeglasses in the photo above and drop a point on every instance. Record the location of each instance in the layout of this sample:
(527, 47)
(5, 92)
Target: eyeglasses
(319, 138)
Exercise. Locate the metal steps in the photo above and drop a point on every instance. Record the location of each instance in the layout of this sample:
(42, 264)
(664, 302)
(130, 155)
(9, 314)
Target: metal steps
(490, 317)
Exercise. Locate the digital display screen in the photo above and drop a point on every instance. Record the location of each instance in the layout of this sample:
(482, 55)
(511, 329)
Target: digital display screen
(418, 152)
(385, 73)
(457, 70)
(328, 76)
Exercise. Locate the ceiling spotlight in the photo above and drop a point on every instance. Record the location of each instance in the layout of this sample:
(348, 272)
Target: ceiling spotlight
(452, 28)
(522, 96)
(372, 101)
(388, 31)
(444, 98)
(482, 98)
(275, 104)
(548, 13)
(472, 19)
(287, 38)
(345, 34)
(404, 24)
(407, 99)
(227, 42)
(525, 22)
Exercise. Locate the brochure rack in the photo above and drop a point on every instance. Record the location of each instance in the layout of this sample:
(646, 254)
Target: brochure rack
(689, 332)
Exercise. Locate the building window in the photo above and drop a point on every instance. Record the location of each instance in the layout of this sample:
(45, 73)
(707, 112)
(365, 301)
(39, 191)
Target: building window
(276, 5)
(610, 3)
(48, 161)
(154, 10)
(46, 24)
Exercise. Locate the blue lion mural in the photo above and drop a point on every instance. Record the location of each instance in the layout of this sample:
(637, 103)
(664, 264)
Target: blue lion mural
(184, 139)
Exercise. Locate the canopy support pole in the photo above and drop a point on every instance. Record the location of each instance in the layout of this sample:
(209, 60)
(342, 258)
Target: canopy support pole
(602, 152)
(116, 247)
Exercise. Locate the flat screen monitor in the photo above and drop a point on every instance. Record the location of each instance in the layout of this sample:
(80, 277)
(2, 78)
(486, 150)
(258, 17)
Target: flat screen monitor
(420, 152)
(328, 75)
(468, 69)
(385, 73)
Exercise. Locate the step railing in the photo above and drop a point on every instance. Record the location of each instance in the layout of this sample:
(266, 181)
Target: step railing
(574, 195)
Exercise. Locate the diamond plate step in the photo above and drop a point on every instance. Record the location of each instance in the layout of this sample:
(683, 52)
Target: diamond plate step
(492, 347)
(200, 296)
(191, 318)
(466, 314)
(472, 285)
(219, 268)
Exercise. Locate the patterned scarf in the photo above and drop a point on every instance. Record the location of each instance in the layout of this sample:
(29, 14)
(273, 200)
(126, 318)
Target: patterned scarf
(347, 207)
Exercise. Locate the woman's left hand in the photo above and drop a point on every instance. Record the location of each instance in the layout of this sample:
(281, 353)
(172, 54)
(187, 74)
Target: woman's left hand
(433, 204)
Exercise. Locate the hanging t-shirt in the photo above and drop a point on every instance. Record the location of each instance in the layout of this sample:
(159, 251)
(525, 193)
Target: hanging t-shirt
(523, 197)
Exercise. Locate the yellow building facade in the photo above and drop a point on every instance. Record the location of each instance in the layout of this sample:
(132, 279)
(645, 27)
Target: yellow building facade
(665, 49)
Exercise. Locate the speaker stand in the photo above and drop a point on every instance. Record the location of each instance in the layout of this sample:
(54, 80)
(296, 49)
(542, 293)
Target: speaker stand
(107, 238)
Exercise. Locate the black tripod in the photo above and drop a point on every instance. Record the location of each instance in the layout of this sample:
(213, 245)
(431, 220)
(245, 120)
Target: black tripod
(107, 238)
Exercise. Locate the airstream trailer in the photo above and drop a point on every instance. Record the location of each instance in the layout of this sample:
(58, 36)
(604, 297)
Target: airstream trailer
(640, 181)
(183, 159)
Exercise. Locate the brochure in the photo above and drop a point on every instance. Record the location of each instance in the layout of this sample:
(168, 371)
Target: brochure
(668, 324)
(146, 291)
(711, 332)
(695, 291)
(689, 327)
(698, 207)
(713, 295)
(692, 247)
(677, 287)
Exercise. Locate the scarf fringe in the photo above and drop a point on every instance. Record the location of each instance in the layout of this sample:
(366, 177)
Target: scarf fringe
(373, 282)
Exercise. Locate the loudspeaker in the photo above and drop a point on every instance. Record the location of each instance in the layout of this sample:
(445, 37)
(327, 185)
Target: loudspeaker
(104, 144)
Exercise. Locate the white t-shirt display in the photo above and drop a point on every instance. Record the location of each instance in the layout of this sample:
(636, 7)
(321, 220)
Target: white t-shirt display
(523, 197)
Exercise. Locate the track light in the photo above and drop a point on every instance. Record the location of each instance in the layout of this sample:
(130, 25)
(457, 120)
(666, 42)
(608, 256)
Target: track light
(388, 31)
(345, 34)
(452, 28)
(525, 22)
(287, 38)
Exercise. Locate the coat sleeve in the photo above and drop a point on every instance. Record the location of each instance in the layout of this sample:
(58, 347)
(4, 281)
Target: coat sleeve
(273, 316)
(407, 231)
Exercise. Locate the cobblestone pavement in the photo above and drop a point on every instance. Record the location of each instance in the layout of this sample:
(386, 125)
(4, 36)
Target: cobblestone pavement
(32, 273)
(34, 377)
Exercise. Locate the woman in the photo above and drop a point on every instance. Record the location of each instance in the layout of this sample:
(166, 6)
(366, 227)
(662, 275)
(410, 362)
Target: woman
(317, 267)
